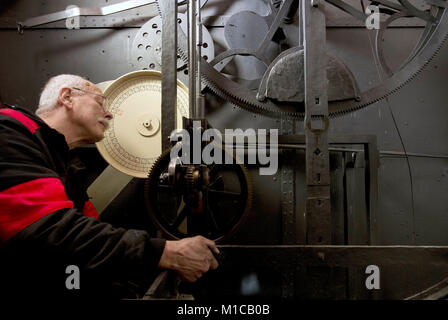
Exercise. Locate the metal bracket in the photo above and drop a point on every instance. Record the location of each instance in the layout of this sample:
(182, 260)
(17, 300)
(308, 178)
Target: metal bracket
(169, 69)
(76, 12)
(318, 206)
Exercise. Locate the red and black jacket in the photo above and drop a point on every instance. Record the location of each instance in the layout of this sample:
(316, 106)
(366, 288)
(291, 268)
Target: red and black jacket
(43, 230)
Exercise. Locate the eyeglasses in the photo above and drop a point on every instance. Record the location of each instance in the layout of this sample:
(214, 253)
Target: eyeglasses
(95, 94)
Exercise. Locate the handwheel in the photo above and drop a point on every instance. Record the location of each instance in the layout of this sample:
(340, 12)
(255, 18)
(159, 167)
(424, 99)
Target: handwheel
(214, 207)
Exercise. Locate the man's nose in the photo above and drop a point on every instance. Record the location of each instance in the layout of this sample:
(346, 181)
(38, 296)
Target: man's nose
(108, 115)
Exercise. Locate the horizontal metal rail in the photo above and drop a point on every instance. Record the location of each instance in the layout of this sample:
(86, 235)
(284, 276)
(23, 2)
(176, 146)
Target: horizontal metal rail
(279, 256)
(76, 12)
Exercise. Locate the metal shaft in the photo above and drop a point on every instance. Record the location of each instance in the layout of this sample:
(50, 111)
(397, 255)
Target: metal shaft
(318, 205)
(200, 102)
(169, 70)
(192, 57)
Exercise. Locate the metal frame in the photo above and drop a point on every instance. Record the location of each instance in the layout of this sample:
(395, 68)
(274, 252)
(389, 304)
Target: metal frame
(277, 257)
(169, 69)
(332, 256)
(76, 12)
(290, 266)
(371, 156)
(318, 205)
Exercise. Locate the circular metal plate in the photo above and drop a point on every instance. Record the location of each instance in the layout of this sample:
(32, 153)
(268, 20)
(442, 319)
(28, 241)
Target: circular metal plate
(146, 53)
(133, 141)
(245, 29)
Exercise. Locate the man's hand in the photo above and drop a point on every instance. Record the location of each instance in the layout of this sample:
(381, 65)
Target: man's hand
(190, 257)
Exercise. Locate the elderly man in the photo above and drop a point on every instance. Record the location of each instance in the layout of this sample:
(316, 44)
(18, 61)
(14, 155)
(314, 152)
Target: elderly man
(44, 229)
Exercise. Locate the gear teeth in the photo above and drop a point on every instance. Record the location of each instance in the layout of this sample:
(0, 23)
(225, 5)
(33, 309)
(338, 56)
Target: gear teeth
(403, 84)
(158, 7)
(189, 177)
(152, 214)
(242, 103)
(147, 192)
(247, 105)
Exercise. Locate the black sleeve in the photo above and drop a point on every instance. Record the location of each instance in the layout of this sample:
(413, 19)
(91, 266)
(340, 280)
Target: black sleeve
(40, 233)
(113, 262)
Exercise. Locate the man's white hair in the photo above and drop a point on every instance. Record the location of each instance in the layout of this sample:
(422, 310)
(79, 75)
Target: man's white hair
(49, 96)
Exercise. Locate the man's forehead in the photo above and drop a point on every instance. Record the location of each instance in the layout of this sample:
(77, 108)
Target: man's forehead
(93, 88)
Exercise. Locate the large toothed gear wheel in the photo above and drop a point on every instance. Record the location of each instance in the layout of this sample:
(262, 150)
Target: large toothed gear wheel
(433, 15)
(225, 201)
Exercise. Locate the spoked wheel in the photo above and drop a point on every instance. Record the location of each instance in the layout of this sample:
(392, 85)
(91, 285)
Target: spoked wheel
(215, 207)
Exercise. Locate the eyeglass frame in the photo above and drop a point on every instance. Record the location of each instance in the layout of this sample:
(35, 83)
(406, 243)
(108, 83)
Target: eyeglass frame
(95, 94)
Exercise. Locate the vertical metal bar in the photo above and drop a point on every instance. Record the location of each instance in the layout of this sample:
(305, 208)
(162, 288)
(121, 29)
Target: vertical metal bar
(288, 202)
(372, 157)
(200, 100)
(318, 206)
(372, 165)
(192, 57)
(287, 188)
(169, 69)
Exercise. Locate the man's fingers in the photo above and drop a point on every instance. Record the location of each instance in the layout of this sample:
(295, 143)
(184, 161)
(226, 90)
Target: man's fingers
(215, 251)
(211, 244)
(213, 263)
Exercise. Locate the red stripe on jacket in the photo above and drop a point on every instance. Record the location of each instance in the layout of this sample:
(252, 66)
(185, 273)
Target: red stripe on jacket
(27, 122)
(26, 203)
(89, 210)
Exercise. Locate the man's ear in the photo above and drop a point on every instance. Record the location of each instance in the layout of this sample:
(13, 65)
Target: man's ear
(65, 98)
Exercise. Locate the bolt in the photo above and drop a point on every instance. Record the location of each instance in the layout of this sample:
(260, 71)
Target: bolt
(321, 256)
(261, 97)
(147, 124)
